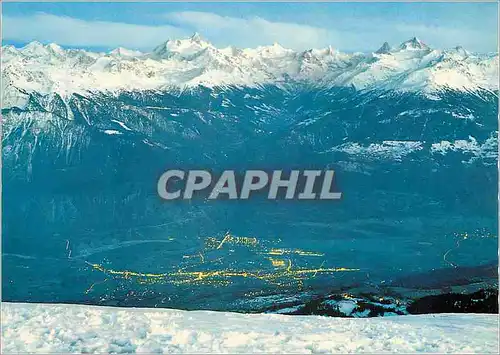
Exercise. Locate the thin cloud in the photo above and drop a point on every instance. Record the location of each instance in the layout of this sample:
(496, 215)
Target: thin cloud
(346, 35)
(254, 31)
(75, 32)
(360, 34)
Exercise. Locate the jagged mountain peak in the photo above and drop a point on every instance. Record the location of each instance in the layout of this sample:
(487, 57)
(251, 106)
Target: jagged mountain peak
(124, 52)
(33, 44)
(275, 50)
(9, 48)
(193, 61)
(38, 49)
(34, 48)
(196, 37)
(317, 54)
(413, 44)
(55, 49)
(161, 49)
(384, 49)
(181, 47)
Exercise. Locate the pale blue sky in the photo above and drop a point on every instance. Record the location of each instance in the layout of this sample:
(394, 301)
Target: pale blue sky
(346, 26)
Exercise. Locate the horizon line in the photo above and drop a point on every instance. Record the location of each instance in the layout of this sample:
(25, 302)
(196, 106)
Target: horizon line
(197, 37)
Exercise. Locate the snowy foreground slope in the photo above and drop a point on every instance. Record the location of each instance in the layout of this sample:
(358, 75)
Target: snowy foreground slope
(76, 328)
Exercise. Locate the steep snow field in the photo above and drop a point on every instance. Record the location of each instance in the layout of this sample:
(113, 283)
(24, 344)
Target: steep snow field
(61, 328)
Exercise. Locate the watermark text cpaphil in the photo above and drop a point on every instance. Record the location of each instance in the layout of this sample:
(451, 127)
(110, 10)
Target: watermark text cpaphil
(277, 184)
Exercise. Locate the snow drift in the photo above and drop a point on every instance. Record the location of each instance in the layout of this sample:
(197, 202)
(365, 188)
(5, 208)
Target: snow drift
(60, 328)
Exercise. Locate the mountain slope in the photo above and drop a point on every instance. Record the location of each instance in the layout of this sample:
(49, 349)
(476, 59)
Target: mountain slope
(37, 328)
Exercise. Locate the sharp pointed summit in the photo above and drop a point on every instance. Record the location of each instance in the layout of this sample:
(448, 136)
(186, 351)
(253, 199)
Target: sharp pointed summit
(413, 44)
(386, 48)
(196, 37)
(181, 47)
(161, 50)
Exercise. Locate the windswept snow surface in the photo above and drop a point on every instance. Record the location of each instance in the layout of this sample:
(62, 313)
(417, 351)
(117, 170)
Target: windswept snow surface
(49, 328)
(412, 66)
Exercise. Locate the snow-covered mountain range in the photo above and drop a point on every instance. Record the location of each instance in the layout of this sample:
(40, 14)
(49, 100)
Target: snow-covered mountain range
(412, 66)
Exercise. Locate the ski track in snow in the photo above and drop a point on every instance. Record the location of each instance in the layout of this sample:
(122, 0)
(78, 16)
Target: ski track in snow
(61, 328)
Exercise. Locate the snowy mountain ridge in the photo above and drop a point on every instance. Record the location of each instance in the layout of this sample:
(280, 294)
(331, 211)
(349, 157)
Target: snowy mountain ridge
(412, 66)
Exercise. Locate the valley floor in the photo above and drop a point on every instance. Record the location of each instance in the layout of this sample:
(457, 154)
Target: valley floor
(46, 328)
